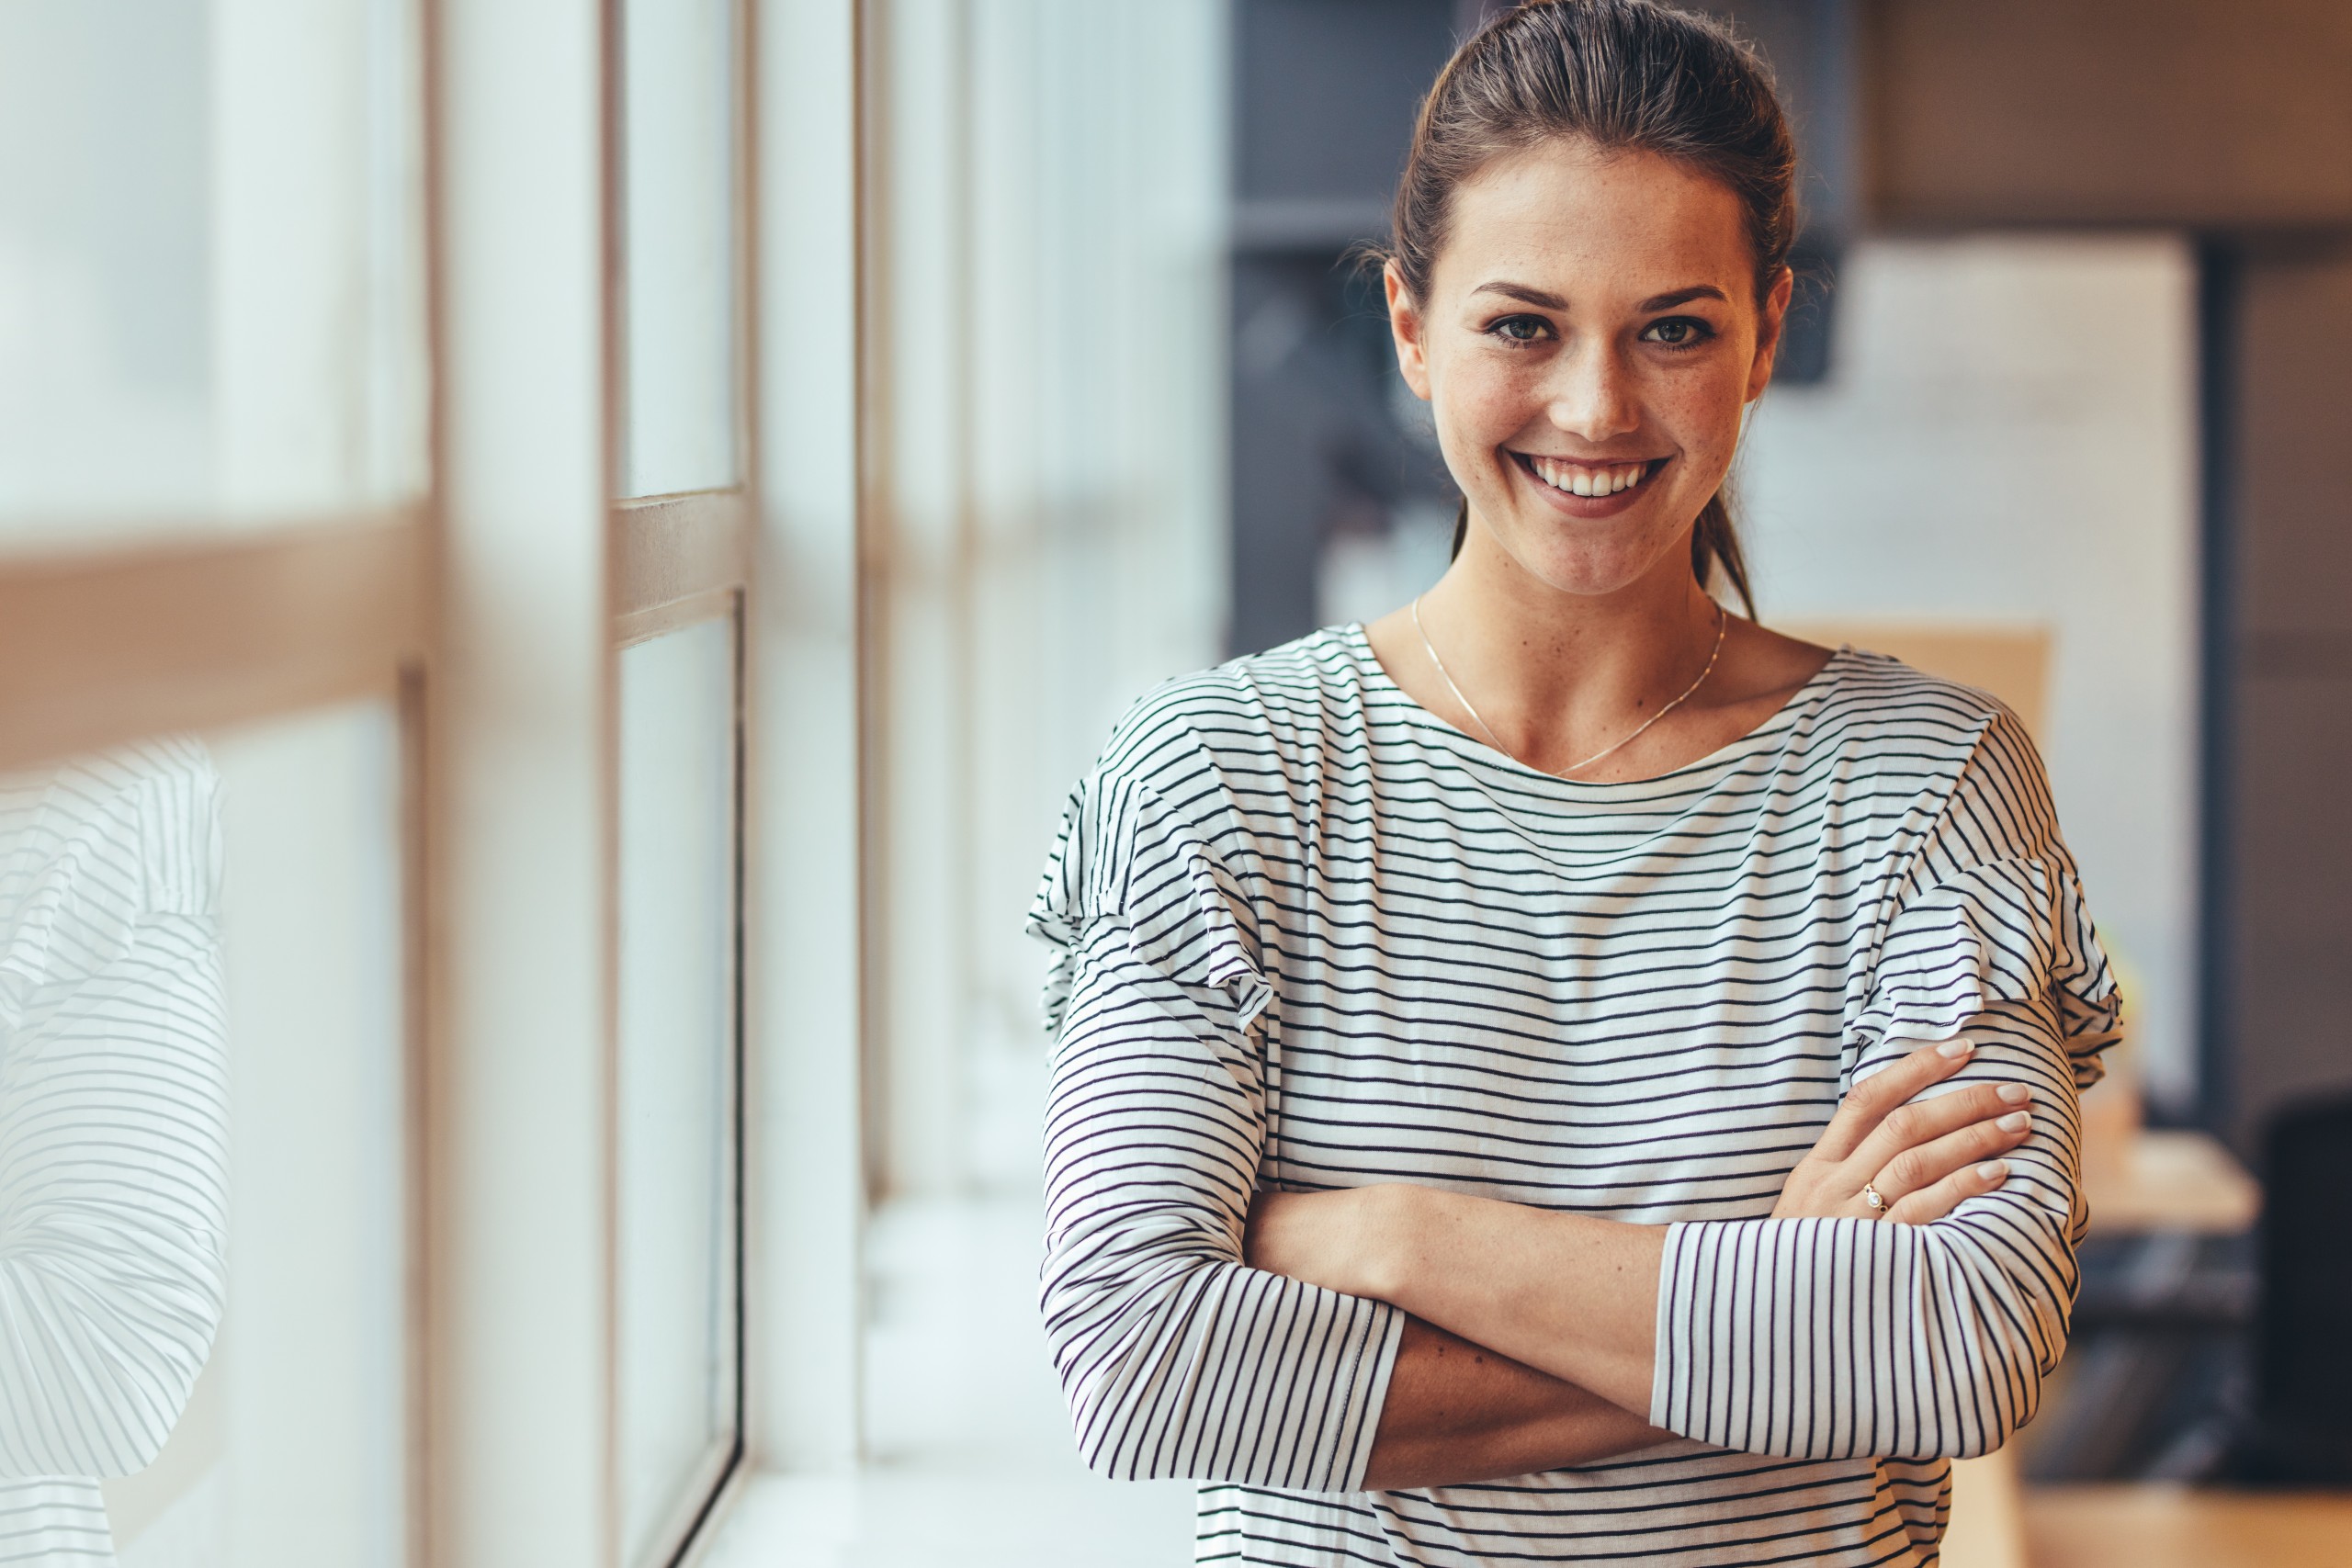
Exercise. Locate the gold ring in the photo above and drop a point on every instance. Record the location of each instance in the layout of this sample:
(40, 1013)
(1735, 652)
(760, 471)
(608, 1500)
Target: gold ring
(1877, 1203)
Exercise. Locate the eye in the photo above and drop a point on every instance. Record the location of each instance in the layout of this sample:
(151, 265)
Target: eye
(1520, 328)
(1677, 332)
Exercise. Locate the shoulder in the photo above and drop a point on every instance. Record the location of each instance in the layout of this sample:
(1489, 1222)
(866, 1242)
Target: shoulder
(151, 801)
(1264, 710)
(1875, 706)
(1928, 749)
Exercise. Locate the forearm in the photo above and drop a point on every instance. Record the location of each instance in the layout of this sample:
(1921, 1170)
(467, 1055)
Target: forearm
(1457, 1412)
(1565, 1294)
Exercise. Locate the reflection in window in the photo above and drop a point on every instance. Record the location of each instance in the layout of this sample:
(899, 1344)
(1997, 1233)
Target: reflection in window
(113, 1128)
(679, 178)
(203, 1230)
(677, 1079)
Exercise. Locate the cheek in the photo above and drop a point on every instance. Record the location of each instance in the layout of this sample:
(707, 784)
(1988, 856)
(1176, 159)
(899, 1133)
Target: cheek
(1482, 405)
(1703, 412)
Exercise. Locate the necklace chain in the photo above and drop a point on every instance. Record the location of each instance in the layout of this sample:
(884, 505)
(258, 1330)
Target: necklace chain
(1722, 620)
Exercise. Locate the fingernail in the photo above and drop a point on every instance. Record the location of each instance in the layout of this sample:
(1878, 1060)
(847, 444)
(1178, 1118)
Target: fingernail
(2014, 1122)
(2016, 1093)
(1955, 1049)
(1993, 1171)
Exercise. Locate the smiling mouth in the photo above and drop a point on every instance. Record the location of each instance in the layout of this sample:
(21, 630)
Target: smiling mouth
(1590, 480)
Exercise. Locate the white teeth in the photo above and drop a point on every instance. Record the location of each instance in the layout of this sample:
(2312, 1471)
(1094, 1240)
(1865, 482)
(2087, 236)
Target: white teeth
(1578, 480)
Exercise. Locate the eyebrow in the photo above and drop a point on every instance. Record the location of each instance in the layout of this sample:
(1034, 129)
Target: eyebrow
(1546, 301)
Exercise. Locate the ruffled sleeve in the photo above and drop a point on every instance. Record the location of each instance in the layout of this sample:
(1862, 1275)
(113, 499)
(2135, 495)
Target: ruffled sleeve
(113, 1106)
(1992, 911)
(1125, 856)
(1928, 1339)
(1176, 1358)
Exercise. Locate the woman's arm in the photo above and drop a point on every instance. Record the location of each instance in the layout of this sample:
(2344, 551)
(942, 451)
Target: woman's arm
(1178, 1360)
(1804, 1335)
(1457, 1412)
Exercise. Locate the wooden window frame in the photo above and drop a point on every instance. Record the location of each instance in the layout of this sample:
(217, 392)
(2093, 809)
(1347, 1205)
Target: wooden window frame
(674, 561)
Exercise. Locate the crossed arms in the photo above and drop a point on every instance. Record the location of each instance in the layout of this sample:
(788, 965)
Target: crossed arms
(1403, 1336)
(1546, 1356)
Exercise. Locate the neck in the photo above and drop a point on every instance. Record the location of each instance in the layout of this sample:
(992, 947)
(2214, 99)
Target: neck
(1557, 675)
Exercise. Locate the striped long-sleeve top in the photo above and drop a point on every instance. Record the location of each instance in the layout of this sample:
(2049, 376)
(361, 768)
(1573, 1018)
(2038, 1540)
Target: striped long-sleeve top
(113, 1129)
(1309, 936)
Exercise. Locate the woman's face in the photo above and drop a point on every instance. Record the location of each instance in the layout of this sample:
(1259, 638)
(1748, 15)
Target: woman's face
(1590, 337)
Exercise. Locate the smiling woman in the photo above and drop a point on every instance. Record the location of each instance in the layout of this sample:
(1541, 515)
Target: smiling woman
(1661, 1114)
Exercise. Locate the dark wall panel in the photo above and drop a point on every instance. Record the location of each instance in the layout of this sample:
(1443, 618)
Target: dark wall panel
(2287, 904)
(2204, 113)
(1328, 92)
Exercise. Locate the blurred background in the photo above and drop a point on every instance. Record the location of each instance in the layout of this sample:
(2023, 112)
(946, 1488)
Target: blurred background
(651, 506)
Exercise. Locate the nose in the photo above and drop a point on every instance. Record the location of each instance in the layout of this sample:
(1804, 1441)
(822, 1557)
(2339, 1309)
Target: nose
(1591, 396)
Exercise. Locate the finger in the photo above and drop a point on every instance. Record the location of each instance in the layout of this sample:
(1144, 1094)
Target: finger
(1934, 1202)
(1924, 1121)
(1922, 1164)
(1876, 1097)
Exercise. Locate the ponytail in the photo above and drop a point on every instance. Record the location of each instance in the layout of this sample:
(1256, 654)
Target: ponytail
(1714, 546)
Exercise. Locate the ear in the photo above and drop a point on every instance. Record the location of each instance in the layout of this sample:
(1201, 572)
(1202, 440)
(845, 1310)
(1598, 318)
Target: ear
(1775, 316)
(1405, 326)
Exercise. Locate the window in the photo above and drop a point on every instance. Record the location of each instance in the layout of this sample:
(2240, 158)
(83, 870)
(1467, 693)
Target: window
(679, 1064)
(213, 515)
(379, 472)
(681, 559)
(211, 256)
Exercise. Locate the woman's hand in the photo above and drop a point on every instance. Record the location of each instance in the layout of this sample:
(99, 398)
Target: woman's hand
(1922, 1159)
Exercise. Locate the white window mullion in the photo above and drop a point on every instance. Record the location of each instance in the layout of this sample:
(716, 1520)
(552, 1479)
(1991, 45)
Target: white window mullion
(801, 947)
(518, 1082)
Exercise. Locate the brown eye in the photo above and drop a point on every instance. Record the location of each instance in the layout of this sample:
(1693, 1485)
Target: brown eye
(1520, 329)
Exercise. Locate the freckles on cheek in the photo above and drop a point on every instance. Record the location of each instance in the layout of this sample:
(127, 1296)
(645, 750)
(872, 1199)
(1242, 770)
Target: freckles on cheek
(1482, 417)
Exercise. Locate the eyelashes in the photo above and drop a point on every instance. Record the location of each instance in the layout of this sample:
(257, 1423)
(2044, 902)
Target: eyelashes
(1690, 332)
(1516, 330)
(1679, 334)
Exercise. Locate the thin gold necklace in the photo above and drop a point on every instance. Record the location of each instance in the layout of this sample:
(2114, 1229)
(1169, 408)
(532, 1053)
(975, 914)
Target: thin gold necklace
(1722, 620)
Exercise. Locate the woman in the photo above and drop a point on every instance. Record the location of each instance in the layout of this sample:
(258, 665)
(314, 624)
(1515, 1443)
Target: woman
(1513, 954)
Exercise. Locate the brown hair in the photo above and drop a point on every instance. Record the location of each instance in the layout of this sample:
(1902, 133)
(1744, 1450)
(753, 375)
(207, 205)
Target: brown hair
(1627, 75)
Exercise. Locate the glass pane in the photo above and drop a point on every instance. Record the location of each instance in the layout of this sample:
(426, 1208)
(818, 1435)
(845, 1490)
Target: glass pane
(678, 1333)
(211, 278)
(202, 1125)
(679, 91)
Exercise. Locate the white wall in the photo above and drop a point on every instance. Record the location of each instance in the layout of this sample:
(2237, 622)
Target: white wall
(2008, 433)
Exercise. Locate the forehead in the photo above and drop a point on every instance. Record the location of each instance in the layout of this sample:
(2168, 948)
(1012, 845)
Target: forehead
(1575, 220)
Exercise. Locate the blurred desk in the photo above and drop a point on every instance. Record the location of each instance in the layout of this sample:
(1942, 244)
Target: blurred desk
(2172, 1526)
(2170, 1180)
(1987, 1528)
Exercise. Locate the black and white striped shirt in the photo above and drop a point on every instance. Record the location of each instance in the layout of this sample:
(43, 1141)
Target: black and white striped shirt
(1310, 936)
(113, 1129)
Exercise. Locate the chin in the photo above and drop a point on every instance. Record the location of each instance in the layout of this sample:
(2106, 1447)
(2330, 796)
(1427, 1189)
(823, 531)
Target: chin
(1594, 571)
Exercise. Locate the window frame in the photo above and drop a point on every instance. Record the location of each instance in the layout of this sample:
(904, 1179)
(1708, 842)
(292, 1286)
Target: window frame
(675, 560)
